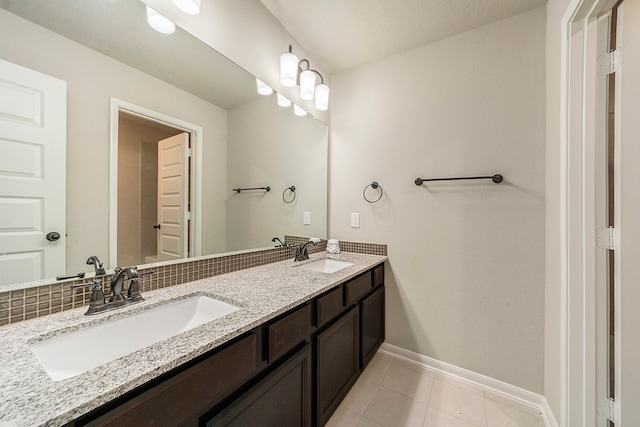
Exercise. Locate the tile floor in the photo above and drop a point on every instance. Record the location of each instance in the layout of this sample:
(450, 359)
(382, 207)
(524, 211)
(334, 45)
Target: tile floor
(394, 392)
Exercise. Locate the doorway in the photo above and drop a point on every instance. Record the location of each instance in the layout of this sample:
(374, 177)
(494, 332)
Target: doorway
(138, 214)
(136, 211)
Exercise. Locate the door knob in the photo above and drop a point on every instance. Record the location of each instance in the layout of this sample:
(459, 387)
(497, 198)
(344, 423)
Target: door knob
(53, 236)
(157, 226)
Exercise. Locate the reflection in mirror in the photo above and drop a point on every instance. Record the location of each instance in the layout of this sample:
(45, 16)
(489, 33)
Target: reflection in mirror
(105, 51)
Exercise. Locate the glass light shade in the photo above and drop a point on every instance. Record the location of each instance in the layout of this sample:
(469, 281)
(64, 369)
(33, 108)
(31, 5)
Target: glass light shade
(307, 84)
(283, 101)
(192, 7)
(322, 97)
(288, 69)
(298, 111)
(263, 88)
(160, 23)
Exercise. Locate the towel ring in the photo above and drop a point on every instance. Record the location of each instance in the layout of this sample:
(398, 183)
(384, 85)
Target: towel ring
(292, 189)
(375, 186)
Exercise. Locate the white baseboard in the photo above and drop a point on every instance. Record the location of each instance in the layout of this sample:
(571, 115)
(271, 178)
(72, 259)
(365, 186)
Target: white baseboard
(509, 391)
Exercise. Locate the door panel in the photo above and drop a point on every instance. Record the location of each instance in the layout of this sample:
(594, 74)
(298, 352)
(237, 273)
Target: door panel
(32, 174)
(172, 197)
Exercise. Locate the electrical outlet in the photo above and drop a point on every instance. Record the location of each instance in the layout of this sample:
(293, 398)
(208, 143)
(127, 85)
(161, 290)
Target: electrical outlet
(355, 220)
(306, 218)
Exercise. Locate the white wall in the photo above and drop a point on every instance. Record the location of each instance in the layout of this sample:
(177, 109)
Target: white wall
(466, 276)
(279, 149)
(92, 78)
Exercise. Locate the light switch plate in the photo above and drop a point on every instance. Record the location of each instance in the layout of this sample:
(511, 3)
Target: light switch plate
(306, 218)
(355, 220)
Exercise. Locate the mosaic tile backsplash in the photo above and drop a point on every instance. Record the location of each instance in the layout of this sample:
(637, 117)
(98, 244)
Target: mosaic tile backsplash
(25, 304)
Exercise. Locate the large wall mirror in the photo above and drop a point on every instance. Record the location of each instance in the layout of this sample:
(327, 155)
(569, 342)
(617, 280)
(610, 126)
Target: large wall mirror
(129, 90)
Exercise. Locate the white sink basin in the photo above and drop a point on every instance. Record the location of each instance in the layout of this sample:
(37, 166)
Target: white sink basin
(326, 265)
(79, 351)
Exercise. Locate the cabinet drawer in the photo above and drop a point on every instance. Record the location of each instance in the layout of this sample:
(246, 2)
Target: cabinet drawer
(283, 398)
(357, 288)
(378, 276)
(184, 397)
(329, 306)
(288, 332)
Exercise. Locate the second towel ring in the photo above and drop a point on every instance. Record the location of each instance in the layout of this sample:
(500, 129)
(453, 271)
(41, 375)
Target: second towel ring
(292, 189)
(375, 186)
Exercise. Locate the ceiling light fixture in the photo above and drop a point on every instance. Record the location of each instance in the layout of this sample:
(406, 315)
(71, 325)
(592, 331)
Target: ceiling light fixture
(192, 7)
(263, 88)
(159, 22)
(292, 73)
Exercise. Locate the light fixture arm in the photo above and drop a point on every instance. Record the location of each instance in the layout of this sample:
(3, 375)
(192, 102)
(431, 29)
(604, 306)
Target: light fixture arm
(300, 69)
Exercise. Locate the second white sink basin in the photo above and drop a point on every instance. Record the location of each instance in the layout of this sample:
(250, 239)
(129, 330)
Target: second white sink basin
(68, 355)
(326, 265)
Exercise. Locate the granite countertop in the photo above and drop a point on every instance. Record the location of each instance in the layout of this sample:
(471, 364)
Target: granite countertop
(29, 397)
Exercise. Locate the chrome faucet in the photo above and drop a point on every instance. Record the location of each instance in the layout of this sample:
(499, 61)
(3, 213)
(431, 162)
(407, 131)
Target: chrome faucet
(302, 251)
(93, 260)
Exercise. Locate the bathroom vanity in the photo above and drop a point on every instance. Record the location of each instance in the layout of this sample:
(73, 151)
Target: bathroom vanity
(288, 356)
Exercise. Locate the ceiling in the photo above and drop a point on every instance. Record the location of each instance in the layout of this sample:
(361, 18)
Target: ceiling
(343, 34)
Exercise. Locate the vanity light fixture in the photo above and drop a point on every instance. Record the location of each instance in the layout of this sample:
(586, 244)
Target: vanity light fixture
(292, 73)
(263, 88)
(307, 82)
(298, 111)
(159, 22)
(283, 101)
(288, 68)
(322, 97)
(192, 7)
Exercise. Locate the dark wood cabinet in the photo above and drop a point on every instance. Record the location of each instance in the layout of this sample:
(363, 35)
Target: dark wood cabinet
(282, 399)
(372, 325)
(293, 370)
(337, 363)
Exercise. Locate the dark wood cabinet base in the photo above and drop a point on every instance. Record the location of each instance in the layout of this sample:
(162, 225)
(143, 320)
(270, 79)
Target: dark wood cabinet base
(292, 371)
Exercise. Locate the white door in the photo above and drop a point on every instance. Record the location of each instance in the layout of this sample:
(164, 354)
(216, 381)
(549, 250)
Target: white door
(172, 197)
(32, 174)
(627, 319)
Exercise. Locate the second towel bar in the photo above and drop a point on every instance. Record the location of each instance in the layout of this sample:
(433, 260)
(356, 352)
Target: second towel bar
(497, 178)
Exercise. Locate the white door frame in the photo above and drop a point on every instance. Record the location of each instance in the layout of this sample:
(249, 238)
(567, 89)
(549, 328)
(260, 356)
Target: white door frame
(578, 118)
(196, 131)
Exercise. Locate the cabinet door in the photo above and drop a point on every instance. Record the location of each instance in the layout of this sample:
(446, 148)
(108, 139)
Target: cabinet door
(283, 398)
(372, 312)
(337, 352)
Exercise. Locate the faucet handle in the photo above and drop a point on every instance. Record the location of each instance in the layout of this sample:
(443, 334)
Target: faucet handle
(97, 303)
(95, 284)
